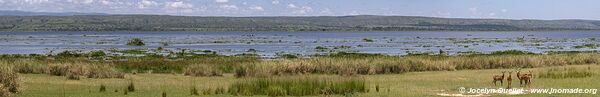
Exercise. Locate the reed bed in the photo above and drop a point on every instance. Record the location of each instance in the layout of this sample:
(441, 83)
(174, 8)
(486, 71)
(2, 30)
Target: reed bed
(298, 86)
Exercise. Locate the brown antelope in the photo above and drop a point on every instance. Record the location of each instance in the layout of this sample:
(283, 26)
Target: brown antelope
(498, 78)
(524, 78)
(509, 80)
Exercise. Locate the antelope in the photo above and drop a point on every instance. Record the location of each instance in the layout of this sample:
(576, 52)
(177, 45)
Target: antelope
(498, 78)
(509, 79)
(524, 78)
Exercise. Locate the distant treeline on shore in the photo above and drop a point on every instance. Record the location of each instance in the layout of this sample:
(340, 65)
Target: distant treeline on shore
(309, 23)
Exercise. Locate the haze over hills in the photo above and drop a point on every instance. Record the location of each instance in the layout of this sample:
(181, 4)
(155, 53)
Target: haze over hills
(34, 21)
(27, 13)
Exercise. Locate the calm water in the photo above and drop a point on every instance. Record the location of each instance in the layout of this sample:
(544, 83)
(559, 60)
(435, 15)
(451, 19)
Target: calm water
(269, 44)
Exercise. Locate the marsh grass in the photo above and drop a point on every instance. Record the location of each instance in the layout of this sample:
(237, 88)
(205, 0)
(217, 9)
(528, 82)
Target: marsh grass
(299, 86)
(559, 73)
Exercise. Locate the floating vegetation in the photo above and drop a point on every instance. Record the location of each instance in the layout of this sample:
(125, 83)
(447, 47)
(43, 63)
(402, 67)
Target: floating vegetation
(367, 40)
(587, 46)
(136, 42)
(320, 48)
(511, 52)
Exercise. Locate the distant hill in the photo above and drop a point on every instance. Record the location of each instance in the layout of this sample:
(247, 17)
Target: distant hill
(312, 23)
(27, 13)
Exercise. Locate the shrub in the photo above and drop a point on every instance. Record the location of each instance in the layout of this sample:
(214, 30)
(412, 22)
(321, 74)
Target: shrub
(97, 54)
(67, 53)
(136, 42)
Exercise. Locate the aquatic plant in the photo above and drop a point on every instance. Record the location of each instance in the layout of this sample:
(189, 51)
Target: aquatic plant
(288, 56)
(136, 42)
(587, 46)
(367, 40)
(320, 48)
(510, 52)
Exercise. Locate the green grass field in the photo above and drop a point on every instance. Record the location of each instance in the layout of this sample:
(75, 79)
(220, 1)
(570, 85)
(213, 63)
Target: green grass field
(409, 84)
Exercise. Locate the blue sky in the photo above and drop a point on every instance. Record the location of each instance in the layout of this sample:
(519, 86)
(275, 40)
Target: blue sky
(506, 9)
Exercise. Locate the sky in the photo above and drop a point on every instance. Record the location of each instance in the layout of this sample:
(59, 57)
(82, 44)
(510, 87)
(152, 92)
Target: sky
(502, 9)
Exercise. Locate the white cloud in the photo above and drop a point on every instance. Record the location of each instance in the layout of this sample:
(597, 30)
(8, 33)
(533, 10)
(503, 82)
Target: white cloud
(354, 13)
(106, 2)
(504, 10)
(275, 2)
(474, 12)
(28, 1)
(304, 10)
(221, 1)
(326, 11)
(300, 9)
(178, 5)
(229, 7)
(73, 1)
(257, 8)
(492, 14)
(147, 3)
(292, 6)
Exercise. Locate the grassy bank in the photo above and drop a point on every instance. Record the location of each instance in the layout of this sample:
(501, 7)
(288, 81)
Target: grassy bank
(269, 74)
(411, 84)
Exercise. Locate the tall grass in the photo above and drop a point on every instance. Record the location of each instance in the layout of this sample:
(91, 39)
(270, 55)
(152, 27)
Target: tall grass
(379, 64)
(246, 65)
(8, 81)
(302, 86)
(202, 70)
(558, 73)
